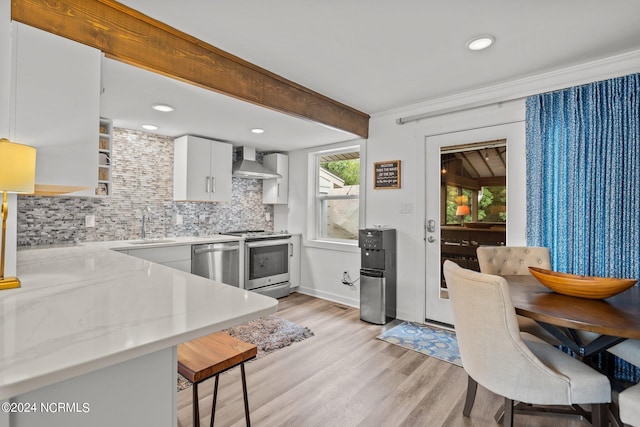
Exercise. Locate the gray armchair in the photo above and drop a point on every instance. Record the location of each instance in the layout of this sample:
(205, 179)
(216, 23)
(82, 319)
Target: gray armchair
(519, 367)
(515, 261)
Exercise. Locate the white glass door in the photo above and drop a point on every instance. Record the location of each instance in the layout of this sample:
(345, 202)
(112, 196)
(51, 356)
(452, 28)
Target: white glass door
(458, 215)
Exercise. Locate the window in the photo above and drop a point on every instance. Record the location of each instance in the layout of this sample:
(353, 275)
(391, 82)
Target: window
(473, 183)
(337, 201)
(457, 199)
(491, 205)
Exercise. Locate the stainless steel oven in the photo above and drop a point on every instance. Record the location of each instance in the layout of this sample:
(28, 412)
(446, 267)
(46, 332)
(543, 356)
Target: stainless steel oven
(266, 262)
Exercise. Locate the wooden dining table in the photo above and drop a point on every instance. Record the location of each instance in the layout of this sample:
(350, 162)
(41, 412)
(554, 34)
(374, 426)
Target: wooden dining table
(613, 319)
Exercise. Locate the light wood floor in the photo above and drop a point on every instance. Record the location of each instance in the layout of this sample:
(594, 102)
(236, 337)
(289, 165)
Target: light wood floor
(344, 376)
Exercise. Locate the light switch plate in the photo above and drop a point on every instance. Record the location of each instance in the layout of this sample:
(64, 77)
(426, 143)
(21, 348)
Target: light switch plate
(90, 221)
(406, 208)
(179, 219)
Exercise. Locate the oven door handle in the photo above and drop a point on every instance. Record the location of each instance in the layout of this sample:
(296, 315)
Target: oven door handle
(218, 249)
(267, 242)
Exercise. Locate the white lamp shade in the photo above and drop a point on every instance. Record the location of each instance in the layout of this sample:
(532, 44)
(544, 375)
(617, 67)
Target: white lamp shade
(17, 167)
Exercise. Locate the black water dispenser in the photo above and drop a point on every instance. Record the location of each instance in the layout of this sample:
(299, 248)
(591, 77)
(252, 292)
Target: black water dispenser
(377, 275)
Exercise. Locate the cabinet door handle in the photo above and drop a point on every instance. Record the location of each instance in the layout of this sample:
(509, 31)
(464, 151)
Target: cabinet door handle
(278, 190)
(213, 184)
(290, 250)
(208, 184)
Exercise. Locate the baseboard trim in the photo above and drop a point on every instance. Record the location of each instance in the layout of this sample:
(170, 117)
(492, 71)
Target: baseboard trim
(351, 302)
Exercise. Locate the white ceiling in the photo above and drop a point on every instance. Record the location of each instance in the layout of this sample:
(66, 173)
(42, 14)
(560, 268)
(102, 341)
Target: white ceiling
(129, 93)
(372, 55)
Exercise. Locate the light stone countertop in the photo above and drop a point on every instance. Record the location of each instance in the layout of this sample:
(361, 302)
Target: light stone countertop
(86, 307)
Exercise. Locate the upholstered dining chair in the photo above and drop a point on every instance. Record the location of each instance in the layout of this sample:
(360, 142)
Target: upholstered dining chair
(512, 260)
(629, 403)
(518, 366)
(628, 350)
(515, 261)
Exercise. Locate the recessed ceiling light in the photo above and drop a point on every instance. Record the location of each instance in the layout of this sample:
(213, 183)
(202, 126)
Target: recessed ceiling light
(150, 127)
(257, 130)
(480, 42)
(162, 107)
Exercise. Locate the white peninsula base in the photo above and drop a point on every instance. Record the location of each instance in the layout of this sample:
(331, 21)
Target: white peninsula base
(90, 338)
(139, 392)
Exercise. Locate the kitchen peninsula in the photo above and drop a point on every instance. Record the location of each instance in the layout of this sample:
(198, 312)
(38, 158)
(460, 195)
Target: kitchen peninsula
(90, 336)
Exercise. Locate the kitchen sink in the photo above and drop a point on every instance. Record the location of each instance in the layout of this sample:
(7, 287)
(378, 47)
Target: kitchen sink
(150, 241)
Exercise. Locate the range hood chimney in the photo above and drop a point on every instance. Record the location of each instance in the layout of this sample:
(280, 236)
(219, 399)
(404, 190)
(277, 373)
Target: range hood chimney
(246, 166)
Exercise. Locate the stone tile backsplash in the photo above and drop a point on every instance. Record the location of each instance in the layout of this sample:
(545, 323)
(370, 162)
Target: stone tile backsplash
(142, 176)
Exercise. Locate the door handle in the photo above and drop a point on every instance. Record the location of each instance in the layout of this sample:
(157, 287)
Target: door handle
(221, 249)
(208, 184)
(431, 239)
(213, 184)
(431, 226)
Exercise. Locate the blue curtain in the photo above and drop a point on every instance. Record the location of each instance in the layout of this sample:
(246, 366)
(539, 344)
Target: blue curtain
(583, 177)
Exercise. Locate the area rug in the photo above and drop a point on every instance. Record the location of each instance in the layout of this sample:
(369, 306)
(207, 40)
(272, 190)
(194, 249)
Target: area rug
(428, 340)
(267, 333)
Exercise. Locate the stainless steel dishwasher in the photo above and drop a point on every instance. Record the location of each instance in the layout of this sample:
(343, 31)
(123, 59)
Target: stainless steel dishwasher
(217, 261)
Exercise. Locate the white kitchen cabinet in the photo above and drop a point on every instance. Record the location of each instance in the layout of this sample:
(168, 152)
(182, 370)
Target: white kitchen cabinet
(178, 257)
(55, 103)
(276, 191)
(295, 264)
(202, 170)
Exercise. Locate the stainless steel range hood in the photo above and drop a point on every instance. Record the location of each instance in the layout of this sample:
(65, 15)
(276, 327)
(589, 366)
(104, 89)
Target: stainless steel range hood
(246, 166)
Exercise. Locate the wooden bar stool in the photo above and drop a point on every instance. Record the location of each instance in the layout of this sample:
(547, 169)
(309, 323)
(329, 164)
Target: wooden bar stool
(212, 355)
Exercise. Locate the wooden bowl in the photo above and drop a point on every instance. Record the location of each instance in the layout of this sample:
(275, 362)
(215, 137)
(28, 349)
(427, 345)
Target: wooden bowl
(581, 286)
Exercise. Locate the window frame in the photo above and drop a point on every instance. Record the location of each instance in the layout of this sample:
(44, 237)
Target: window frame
(316, 198)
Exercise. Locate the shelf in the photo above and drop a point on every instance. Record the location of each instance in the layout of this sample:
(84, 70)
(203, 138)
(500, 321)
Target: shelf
(104, 158)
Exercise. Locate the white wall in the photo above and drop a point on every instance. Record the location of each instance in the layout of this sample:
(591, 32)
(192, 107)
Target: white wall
(5, 66)
(322, 265)
(5, 126)
(5, 72)
(322, 268)
(389, 141)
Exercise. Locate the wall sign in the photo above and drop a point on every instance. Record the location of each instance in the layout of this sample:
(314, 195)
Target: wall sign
(386, 175)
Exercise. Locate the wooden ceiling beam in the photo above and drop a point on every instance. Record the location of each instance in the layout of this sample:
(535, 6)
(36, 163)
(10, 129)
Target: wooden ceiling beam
(460, 181)
(129, 36)
(494, 181)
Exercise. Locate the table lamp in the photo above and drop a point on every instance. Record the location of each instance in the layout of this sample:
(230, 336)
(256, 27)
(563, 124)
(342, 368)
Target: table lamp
(17, 175)
(462, 211)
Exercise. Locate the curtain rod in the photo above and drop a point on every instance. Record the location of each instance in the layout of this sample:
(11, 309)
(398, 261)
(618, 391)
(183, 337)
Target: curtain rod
(456, 109)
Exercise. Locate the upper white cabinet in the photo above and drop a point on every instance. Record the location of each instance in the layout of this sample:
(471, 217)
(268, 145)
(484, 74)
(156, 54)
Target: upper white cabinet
(276, 191)
(202, 170)
(55, 105)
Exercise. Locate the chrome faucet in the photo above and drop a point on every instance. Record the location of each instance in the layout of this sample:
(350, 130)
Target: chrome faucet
(146, 219)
